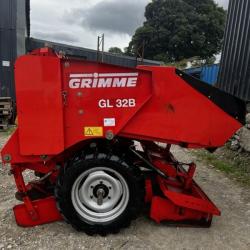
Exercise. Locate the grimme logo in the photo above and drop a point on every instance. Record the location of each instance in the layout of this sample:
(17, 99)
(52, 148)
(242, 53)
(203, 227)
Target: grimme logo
(103, 80)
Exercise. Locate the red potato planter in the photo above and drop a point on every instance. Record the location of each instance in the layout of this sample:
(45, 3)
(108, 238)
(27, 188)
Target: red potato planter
(88, 130)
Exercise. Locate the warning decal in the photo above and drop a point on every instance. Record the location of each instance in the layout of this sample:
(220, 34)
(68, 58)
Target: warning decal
(93, 131)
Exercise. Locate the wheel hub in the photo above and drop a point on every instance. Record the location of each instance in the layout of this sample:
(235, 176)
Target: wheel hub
(100, 194)
(101, 189)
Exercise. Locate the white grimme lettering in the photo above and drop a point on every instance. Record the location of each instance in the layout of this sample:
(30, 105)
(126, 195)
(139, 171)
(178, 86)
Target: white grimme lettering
(86, 83)
(103, 80)
(117, 82)
(74, 83)
(104, 83)
(132, 82)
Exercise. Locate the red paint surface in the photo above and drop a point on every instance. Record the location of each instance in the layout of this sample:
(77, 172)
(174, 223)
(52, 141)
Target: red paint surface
(167, 108)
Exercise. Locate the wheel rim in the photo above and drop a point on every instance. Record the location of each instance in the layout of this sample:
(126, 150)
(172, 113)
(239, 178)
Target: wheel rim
(100, 195)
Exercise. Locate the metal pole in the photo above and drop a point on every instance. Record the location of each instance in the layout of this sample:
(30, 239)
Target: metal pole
(102, 47)
(98, 48)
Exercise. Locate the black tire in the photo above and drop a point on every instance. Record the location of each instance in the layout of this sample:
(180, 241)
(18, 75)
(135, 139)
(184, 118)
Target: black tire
(78, 165)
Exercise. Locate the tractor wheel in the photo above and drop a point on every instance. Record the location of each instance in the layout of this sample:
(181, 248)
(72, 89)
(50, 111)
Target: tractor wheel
(99, 194)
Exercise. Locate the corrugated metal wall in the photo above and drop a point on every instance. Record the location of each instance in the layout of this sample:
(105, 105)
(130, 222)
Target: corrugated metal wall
(234, 74)
(88, 54)
(12, 41)
(206, 73)
(209, 73)
(7, 48)
(7, 58)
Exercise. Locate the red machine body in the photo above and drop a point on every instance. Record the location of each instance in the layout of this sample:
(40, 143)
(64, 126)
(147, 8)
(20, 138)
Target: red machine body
(63, 103)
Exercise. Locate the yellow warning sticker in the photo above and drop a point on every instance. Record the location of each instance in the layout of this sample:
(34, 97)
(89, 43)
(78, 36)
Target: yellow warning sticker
(93, 131)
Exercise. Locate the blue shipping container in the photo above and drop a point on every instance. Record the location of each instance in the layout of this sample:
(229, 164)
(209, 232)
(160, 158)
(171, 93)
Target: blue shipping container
(206, 73)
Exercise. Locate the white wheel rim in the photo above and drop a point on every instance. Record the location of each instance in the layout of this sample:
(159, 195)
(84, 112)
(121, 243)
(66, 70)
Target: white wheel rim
(109, 186)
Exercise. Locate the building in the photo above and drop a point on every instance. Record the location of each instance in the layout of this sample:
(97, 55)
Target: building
(88, 54)
(15, 40)
(14, 23)
(234, 73)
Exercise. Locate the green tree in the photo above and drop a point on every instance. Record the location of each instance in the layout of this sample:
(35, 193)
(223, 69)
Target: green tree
(115, 50)
(178, 29)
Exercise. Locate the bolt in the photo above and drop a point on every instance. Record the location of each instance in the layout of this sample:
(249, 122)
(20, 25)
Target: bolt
(66, 64)
(100, 194)
(109, 187)
(109, 135)
(80, 111)
(7, 158)
(91, 187)
(101, 182)
(43, 157)
(91, 197)
(109, 197)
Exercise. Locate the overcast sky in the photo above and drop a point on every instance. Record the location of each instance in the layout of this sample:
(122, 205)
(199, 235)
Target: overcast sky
(79, 22)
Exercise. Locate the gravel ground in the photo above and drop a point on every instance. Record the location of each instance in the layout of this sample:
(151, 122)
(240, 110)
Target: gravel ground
(230, 231)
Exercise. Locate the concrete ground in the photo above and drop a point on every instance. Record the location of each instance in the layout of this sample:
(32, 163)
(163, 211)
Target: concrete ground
(230, 231)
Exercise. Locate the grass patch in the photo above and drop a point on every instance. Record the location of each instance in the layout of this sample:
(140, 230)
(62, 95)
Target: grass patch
(8, 132)
(234, 165)
(11, 130)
